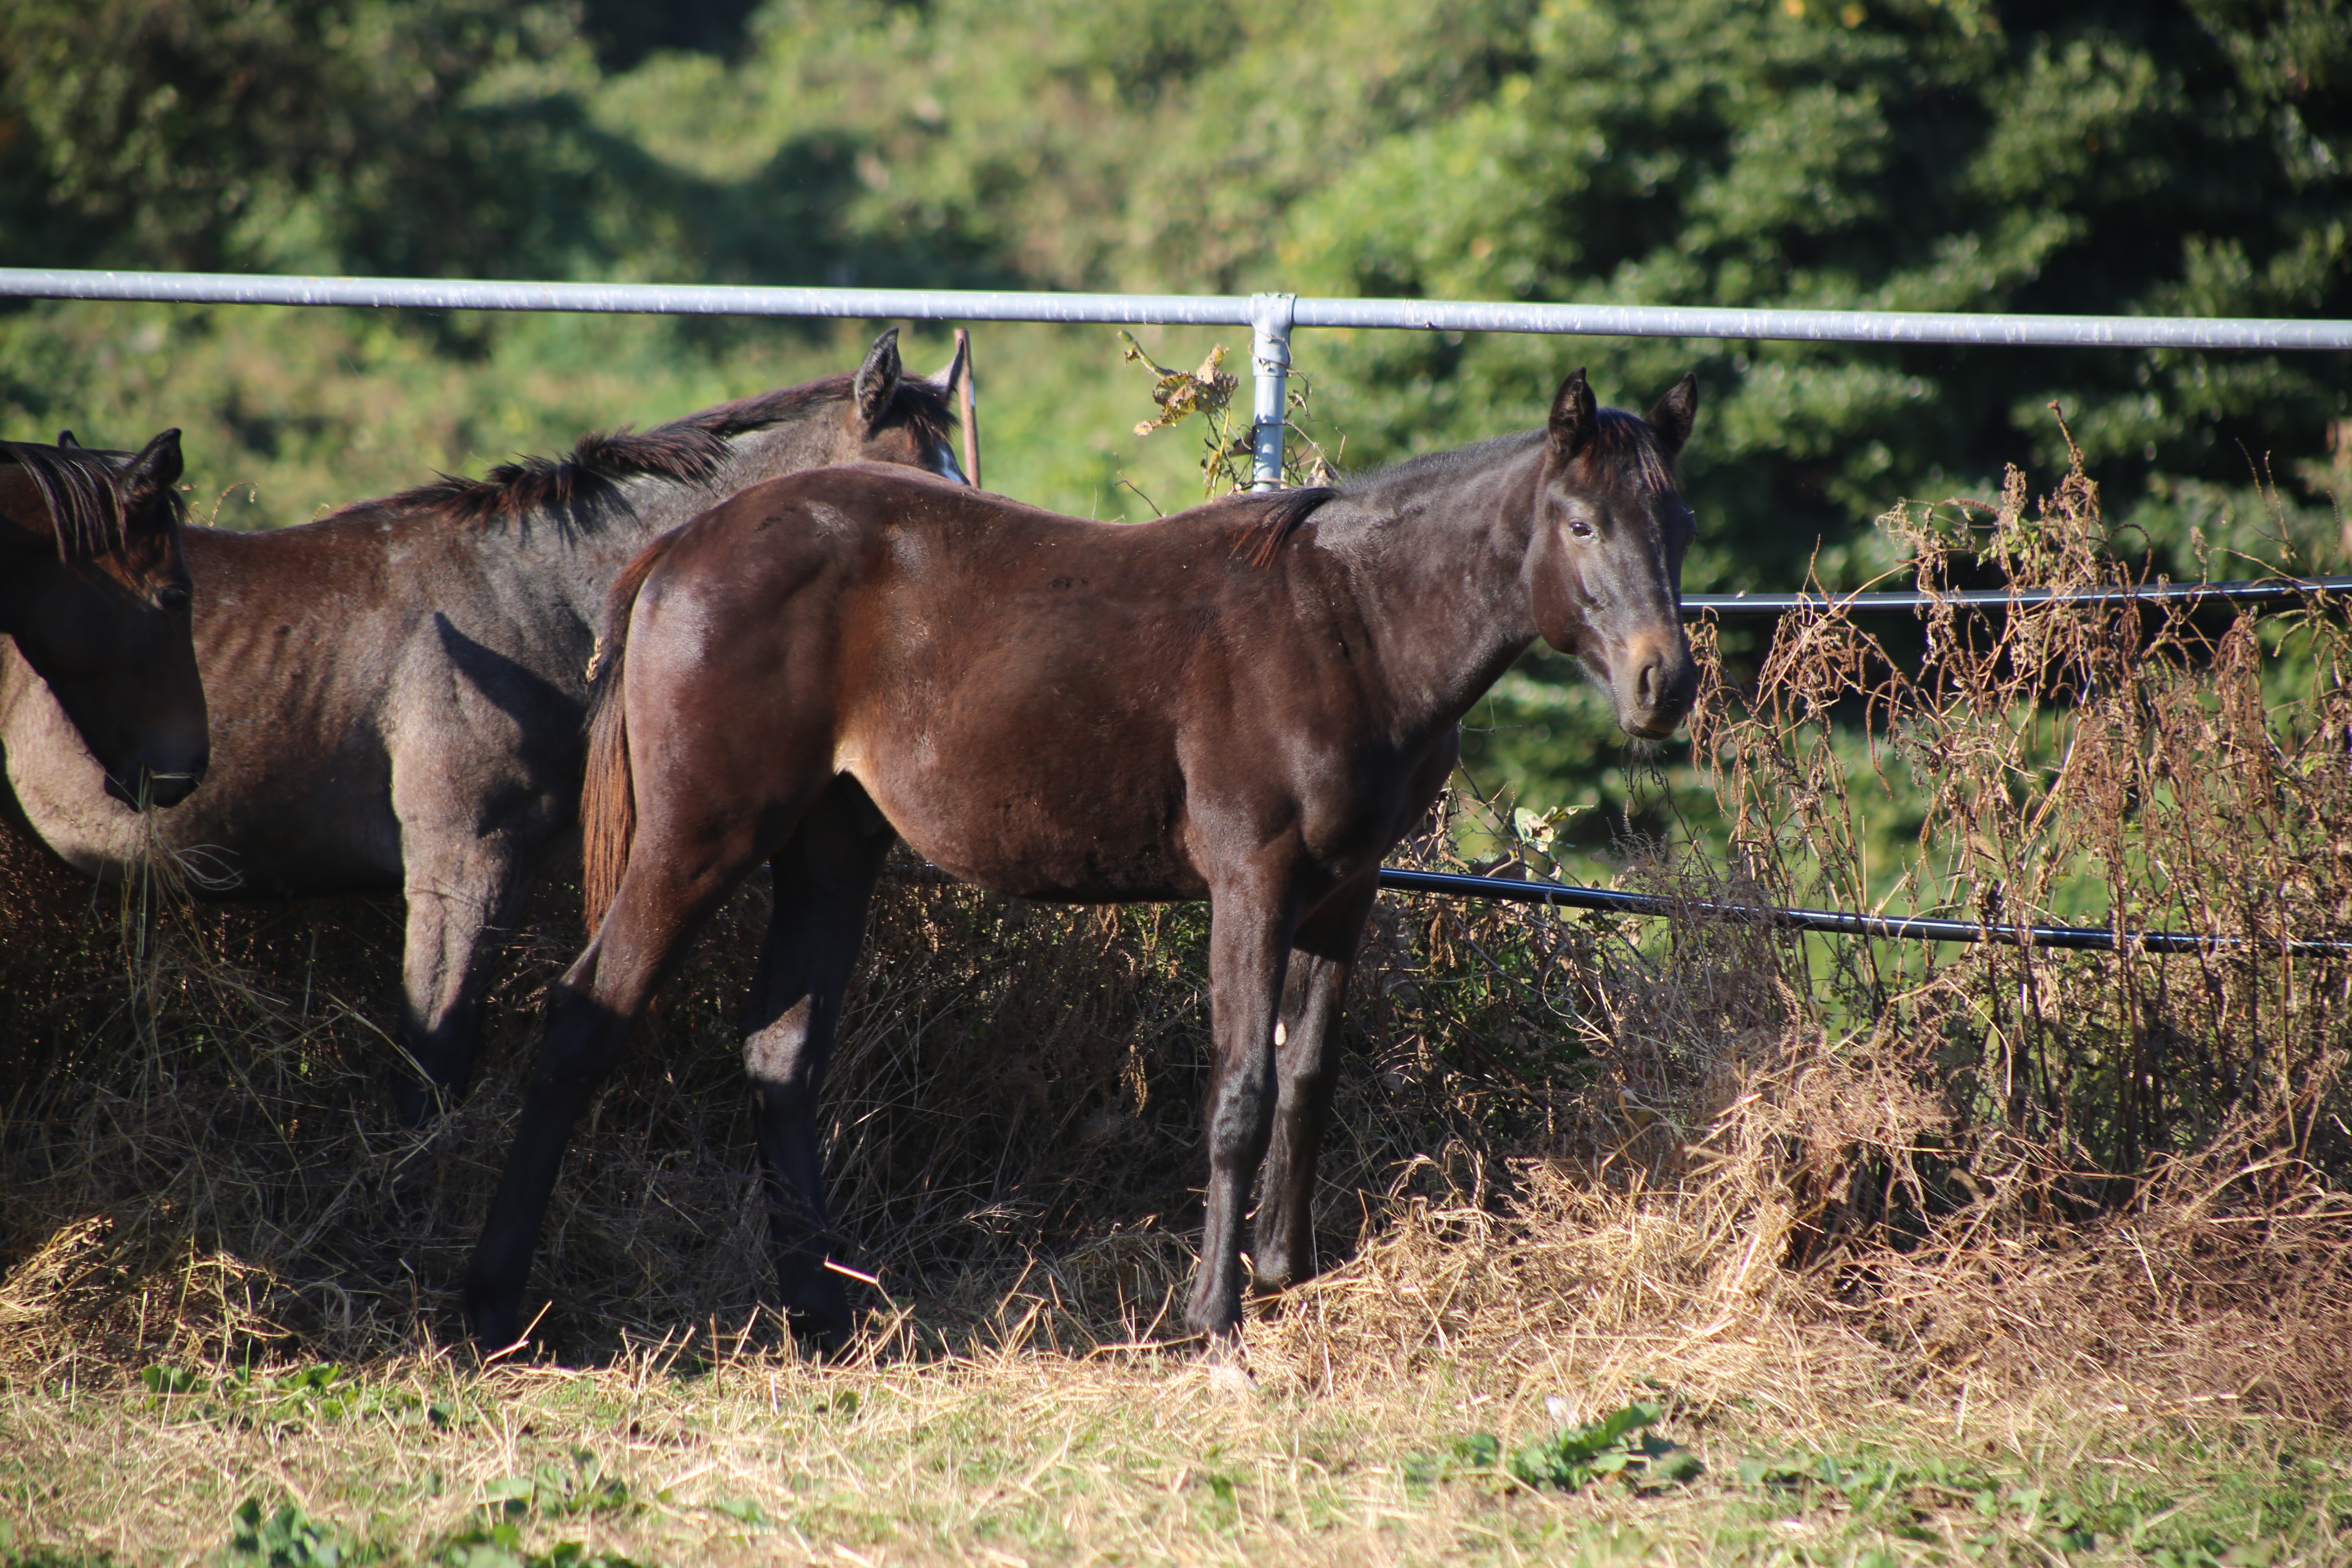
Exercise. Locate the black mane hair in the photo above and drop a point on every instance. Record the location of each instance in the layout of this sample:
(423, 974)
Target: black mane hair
(1267, 520)
(1624, 447)
(83, 493)
(687, 450)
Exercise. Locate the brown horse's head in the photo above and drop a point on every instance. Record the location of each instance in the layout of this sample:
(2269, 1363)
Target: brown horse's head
(98, 601)
(894, 418)
(1606, 561)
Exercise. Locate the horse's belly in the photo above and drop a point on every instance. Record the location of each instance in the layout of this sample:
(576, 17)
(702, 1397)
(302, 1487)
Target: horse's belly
(1074, 881)
(1062, 846)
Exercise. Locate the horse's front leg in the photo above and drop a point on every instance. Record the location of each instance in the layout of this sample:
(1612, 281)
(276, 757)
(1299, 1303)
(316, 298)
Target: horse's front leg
(1322, 957)
(824, 876)
(1249, 949)
(460, 885)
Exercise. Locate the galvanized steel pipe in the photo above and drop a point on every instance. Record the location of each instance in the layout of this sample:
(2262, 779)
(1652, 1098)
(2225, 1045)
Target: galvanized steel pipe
(1270, 316)
(1842, 922)
(2268, 590)
(1187, 310)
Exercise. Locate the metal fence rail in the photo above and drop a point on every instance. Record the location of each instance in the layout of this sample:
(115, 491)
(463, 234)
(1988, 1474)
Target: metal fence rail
(2269, 590)
(1192, 310)
(1841, 923)
(1271, 318)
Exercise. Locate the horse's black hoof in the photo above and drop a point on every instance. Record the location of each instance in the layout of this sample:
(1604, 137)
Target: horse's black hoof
(496, 1325)
(822, 1334)
(818, 1315)
(818, 1342)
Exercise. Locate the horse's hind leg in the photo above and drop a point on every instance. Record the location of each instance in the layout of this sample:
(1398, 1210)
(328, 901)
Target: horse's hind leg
(661, 905)
(824, 875)
(1322, 957)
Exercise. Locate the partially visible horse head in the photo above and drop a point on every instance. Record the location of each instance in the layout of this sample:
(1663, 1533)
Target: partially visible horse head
(98, 599)
(894, 418)
(1606, 561)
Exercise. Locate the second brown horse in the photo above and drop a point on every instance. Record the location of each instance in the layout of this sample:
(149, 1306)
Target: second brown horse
(1251, 701)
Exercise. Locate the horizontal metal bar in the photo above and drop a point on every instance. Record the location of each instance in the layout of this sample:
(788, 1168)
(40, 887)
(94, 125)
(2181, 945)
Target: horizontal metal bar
(1910, 928)
(1833, 326)
(2252, 592)
(626, 299)
(1185, 310)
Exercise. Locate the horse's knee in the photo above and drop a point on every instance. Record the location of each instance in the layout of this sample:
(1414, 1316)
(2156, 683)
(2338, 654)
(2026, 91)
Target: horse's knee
(1242, 1123)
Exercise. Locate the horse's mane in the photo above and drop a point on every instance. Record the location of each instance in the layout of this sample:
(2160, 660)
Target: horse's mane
(1624, 447)
(687, 450)
(1263, 522)
(83, 496)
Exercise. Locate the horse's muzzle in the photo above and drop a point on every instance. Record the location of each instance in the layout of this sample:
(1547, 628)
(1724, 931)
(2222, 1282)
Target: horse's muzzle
(1656, 694)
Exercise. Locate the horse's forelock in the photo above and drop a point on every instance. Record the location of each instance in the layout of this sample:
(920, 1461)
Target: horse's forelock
(82, 493)
(928, 407)
(1625, 450)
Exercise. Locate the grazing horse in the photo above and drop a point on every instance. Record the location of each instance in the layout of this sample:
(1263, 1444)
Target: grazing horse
(1250, 702)
(94, 593)
(399, 689)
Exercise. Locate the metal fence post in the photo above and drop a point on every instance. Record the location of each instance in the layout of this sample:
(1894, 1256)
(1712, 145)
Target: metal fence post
(1270, 318)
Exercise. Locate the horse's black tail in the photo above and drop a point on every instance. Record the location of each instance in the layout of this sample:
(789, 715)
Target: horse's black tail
(608, 802)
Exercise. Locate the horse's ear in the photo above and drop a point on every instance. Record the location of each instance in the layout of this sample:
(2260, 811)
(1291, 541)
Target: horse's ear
(66, 442)
(153, 472)
(1673, 415)
(956, 368)
(1574, 417)
(876, 381)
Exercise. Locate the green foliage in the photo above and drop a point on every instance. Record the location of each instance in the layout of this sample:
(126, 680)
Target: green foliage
(291, 1537)
(313, 1395)
(553, 1491)
(1933, 1499)
(1616, 1447)
(16, 1553)
(301, 134)
(1899, 156)
(743, 1511)
(502, 1545)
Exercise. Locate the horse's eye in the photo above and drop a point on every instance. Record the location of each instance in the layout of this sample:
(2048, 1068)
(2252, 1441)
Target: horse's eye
(172, 596)
(1578, 527)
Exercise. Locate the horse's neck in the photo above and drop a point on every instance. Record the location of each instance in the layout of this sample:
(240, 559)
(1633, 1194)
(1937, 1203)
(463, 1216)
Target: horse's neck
(1437, 562)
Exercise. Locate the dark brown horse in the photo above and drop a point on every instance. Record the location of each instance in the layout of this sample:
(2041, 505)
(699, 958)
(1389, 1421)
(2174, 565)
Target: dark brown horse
(399, 689)
(94, 593)
(1251, 701)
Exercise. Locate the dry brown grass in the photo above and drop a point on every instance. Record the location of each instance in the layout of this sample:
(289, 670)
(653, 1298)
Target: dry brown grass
(1815, 1189)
